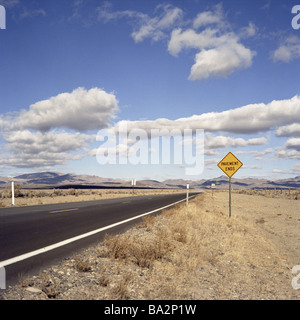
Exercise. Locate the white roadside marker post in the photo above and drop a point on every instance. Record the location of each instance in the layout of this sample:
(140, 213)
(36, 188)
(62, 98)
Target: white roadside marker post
(187, 194)
(133, 183)
(12, 193)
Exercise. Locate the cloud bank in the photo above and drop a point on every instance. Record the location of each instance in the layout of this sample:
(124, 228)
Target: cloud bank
(80, 110)
(248, 119)
(37, 137)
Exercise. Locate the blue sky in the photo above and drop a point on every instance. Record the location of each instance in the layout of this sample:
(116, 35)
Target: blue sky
(70, 68)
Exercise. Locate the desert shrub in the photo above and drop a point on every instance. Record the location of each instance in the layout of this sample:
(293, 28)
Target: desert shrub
(18, 191)
(103, 281)
(142, 253)
(117, 246)
(28, 193)
(179, 231)
(242, 191)
(71, 192)
(120, 291)
(82, 265)
(6, 192)
(79, 192)
(147, 222)
(145, 254)
(41, 193)
(56, 193)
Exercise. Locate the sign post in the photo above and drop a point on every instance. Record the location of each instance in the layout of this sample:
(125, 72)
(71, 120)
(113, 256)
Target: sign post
(229, 197)
(230, 164)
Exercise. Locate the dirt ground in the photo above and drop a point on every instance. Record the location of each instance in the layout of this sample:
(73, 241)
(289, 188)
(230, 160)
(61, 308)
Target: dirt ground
(194, 252)
(277, 215)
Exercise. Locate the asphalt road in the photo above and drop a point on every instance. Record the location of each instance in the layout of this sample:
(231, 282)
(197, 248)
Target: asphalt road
(26, 230)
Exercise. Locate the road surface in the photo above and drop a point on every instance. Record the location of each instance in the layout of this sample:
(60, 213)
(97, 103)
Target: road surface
(36, 236)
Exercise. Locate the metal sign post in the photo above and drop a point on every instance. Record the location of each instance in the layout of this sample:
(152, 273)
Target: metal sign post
(230, 164)
(229, 196)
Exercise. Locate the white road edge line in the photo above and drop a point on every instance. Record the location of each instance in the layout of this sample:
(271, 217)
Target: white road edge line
(70, 240)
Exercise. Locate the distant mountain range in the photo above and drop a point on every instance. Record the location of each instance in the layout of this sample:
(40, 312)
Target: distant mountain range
(54, 179)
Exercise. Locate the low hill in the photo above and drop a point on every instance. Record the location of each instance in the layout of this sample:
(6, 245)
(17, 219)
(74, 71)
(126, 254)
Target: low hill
(51, 179)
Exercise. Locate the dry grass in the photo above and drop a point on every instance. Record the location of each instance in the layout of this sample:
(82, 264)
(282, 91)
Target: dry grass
(131, 247)
(29, 197)
(273, 193)
(82, 265)
(229, 257)
(120, 290)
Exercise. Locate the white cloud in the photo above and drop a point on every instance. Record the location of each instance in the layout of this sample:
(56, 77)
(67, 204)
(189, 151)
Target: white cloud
(121, 150)
(41, 149)
(295, 169)
(293, 143)
(79, 110)
(105, 13)
(219, 49)
(212, 161)
(259, 154)
(278, 171)
(28, 149)
(33, 13)
(252, 118)
(290, 150)
(154, 28)
(145, 27)
(254, 167)
(220, 54)
(221, 61)
(45, 160)
(191, 39)
(249, 31)
(289, 130)
(30, 142)
(288, 50)
(209, 17)
(215, 142)
(283, 153)
(256, 154)
(27, 142)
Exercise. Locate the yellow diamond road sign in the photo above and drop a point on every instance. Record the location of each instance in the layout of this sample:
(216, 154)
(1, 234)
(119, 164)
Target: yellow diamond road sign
(230, 164)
